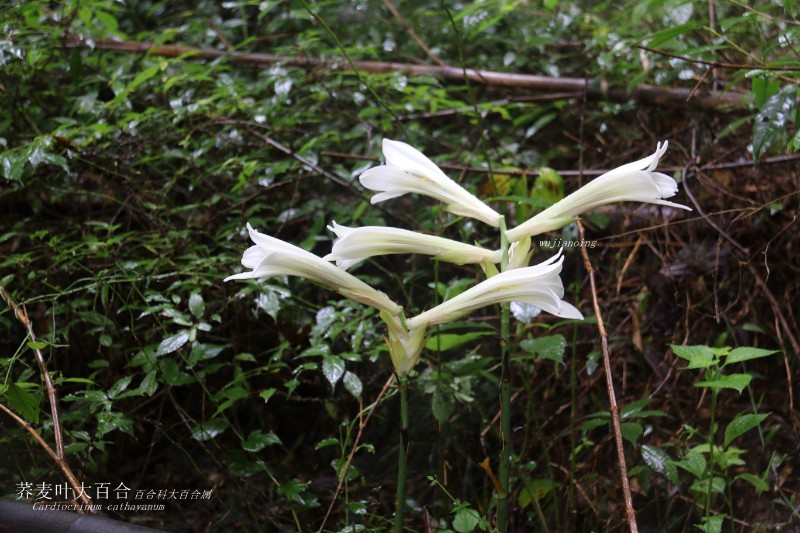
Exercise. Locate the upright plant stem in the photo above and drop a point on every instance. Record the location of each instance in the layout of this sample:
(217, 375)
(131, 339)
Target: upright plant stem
(400, 509)
(505, 397)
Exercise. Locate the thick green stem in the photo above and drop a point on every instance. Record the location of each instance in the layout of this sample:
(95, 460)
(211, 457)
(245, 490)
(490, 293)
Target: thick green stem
(505, 397)
(400, 508)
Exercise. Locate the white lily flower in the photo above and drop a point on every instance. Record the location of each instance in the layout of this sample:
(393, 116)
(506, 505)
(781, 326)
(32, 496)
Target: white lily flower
(407, 170)
(271, 257)
(538, 285)
(405, 346)
(356, 244)
(634, 182)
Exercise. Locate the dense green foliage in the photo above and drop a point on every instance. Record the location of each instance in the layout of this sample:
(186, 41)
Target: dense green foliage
(126, 180)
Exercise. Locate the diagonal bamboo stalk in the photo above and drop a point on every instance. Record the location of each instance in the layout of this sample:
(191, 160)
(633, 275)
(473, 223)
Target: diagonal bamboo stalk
(644, 93)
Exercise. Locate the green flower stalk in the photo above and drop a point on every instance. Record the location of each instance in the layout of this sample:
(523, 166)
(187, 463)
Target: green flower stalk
(407, 170)
(634, 182)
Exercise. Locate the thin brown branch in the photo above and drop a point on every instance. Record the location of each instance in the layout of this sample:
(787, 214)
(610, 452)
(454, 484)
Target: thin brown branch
(718, 64)
(412, 33)
(362, 423)
(52, 395)
(644, 93)
(60, 462)
(612, 398)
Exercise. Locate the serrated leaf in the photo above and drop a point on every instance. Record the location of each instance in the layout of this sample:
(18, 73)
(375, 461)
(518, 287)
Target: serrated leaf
(258, 440)
(694, 462)
(196, 305)
(353, 384)
(741, 425)
(738, 355)
(711, 524)
(728, 381)
(173, 343)
(698, 356)
(119, 386)
(332, 368)
(23, 402)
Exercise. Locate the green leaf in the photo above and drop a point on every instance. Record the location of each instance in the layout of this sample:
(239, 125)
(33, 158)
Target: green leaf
(694, 462)
(258, 440)
(535, 489)
(771, 121)
(549, 347)
(442, 404)
(729, 381)
(742, 424)
(659, 38)
(448, 341)
(738, 355)
(466, 520)
(659, 460)
(210, 429)
(631, 431)
(758, 483)
(711, 524)
(37, 345)
(267, 394)
(23, 402)
(293, 491)
(172, 344)
(353, 384)
(149, 383)
(764, 88)
(332, 368)
(119, 387)
(196, 305)
(143, 76)
(698, 356)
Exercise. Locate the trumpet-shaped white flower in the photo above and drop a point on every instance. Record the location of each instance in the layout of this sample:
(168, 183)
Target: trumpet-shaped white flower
(356, 244)
(407, 170)
(538, 285)
(271, 257)
(634, 182)
(405, 345)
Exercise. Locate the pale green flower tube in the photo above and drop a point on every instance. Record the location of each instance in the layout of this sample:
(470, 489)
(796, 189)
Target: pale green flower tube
(356, 244)
(405, 345)
(634, 182)
(407, 170)
(538, 285)
(271, 257)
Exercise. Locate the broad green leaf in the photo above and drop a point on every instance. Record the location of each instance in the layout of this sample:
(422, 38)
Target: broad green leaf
(196, 305)
(448, 341)
(37, 345)
(664, 36)
(659, 460)
(549, 347)
(23, 402)
(729, 381)
(758, 483)
(119, 386)
(711, 524)
(764, 88)
(210, 429)
(267, 394)
(698, 356)
(745, 354)
(352, 383)
(332, 368)
(466, 520)
(742, 424)
(258, 440)
(694, 463)
(631, 431)
(149, 383)
(442, 404)
(173, 343)
(293, 490)
(772, 120)
(143, 76)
